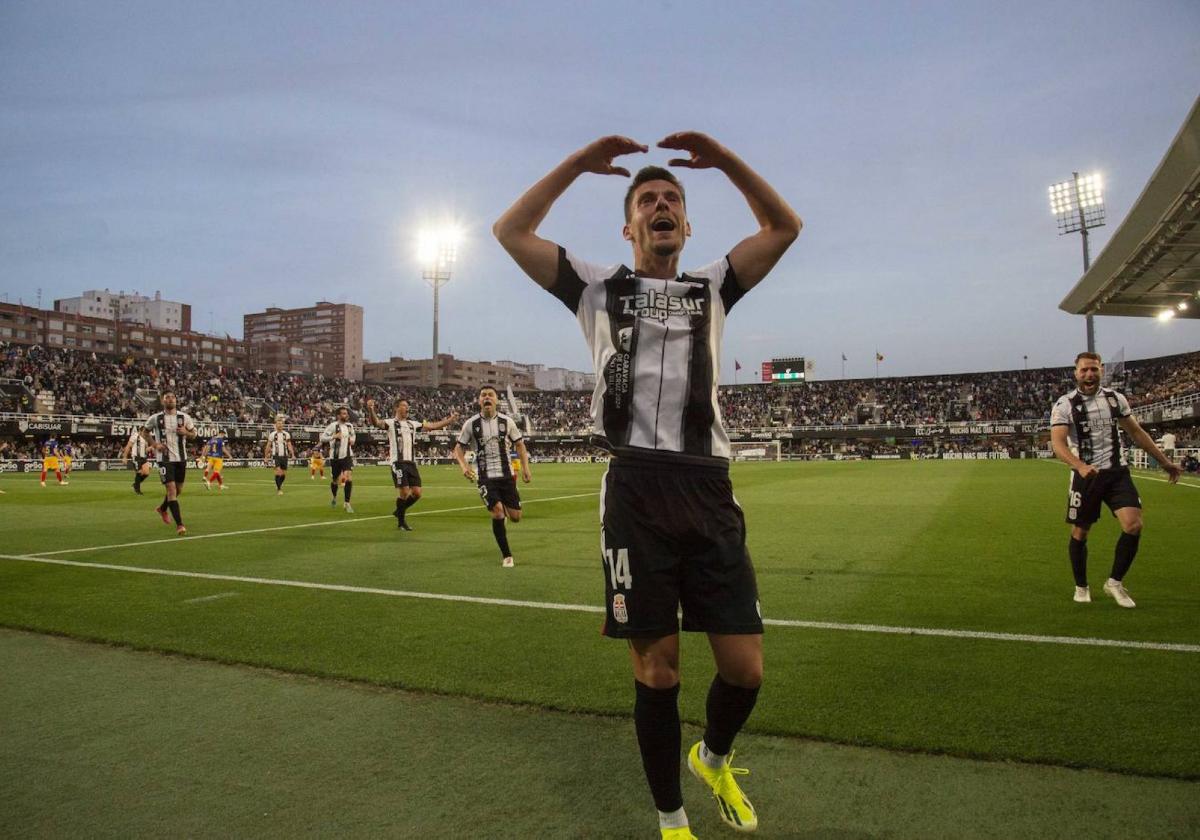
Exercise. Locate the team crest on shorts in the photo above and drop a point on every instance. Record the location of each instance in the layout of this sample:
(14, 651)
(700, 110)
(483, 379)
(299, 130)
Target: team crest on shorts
(620, 612)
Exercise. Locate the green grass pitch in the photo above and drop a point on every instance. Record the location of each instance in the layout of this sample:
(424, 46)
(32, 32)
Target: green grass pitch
(953, 546)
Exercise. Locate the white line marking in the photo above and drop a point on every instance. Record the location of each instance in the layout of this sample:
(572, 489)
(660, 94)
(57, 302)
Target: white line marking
(343, 521)
(218, 596)
(584, 608)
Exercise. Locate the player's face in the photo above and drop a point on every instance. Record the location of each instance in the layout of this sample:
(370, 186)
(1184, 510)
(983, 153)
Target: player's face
(168, 401)
(658, 219)
(1088, 373)
(343, 415)
(402, 410)
(487, 400)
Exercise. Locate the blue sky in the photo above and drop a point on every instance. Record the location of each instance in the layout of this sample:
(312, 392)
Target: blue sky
(241, 155)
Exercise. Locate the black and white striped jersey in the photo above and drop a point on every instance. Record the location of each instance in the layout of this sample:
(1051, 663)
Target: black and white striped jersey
(656, 349)
(168, 427)
(343, 447)
(279, 442)
(402, 436)
(137, 444)
(490, 439)
(1092, 426)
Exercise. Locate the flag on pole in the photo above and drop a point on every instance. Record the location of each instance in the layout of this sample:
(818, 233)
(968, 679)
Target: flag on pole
(843, 357)
(737, 365)
(878, 356)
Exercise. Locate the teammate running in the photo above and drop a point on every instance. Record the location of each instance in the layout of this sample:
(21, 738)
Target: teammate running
(340, 436)
(136, 448)
(278, 449)
(402, 433)
(489, 434)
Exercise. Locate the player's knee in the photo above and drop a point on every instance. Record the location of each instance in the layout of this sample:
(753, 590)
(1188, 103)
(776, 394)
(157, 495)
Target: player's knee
(514, 515)
(747, 675)
(1079, 533)
(1132, 527)
(415, 492)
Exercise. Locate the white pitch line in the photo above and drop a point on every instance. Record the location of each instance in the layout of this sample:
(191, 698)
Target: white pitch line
(1173, 647)
(343, 521)
(216, 597)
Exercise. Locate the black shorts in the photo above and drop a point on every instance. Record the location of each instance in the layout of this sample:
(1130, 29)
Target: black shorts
(406, 474)
(281, 462)
(1114, 487)
(673, 536)
(341, 465)
(175, 471)
(138, 462)
(501, 490)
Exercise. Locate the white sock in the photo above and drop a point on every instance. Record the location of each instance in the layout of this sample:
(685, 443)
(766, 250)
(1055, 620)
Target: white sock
(711, 760)
(672, 819)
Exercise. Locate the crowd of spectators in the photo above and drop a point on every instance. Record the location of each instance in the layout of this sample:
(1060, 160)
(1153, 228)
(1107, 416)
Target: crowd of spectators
(82, 383)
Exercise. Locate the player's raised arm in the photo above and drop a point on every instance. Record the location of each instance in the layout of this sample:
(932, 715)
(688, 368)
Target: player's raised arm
(434, 425)
(516, 229)
(778, 224)
(372, 418)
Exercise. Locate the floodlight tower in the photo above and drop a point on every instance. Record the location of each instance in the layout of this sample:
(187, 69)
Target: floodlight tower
(1078, 205)
(437, 249)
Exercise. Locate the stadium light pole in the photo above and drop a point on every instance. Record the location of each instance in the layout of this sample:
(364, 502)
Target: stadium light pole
(1078, 205)
(437, 250)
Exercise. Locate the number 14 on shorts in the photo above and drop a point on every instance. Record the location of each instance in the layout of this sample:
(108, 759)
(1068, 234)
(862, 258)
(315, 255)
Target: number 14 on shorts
(618, 568)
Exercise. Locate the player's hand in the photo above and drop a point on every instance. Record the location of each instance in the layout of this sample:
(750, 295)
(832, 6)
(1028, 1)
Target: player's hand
(598, 156)
(468, 474)
(371, 404)
(705, 152)
(525, 475)
(1087, 471)
(453, 418)
(1173, 472)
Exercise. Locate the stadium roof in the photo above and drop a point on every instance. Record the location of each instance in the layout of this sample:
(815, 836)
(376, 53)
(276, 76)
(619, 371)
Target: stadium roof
(1152, 262)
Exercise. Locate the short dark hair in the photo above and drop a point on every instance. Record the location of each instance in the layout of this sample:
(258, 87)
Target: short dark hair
(1087, 354)
(650, 173)
(491, 388)
(396, 402)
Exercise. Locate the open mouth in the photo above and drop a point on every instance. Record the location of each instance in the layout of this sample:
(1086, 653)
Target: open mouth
(660, 225)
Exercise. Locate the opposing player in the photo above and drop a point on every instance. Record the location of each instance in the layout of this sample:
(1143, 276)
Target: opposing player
(214, 455)
(490, 434)
(67, 451)
(50, 461)
(279, 450)
(1084, 434)
(316, 461)
(340, 436)
(167, 432)
(672, 532)
(402, 433)
(136, 448)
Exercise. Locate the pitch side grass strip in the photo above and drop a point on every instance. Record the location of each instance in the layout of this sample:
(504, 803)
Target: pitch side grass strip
(1174, 647)
(286, 527)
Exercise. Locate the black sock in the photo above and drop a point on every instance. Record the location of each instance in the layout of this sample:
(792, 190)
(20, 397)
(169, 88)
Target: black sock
(1078, 551)
(174, 506)
(501, 535)
(410, 501)
(163, 506)
(278, 482)
(656, 719)
(1127, 546)
(399, 512)
(349, 487)
(728, 708)
(333, 488)
(138, 478)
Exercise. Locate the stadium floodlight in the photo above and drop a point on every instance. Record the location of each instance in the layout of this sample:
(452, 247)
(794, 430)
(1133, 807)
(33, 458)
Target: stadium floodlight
(1166, 315)
(1182, 306)
(437, 251)
(1078, 205)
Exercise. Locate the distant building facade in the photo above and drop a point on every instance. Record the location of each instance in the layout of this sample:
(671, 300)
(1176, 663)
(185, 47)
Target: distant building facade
(66, 330)
(455, 373)
(131, 308)
(334, 328)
